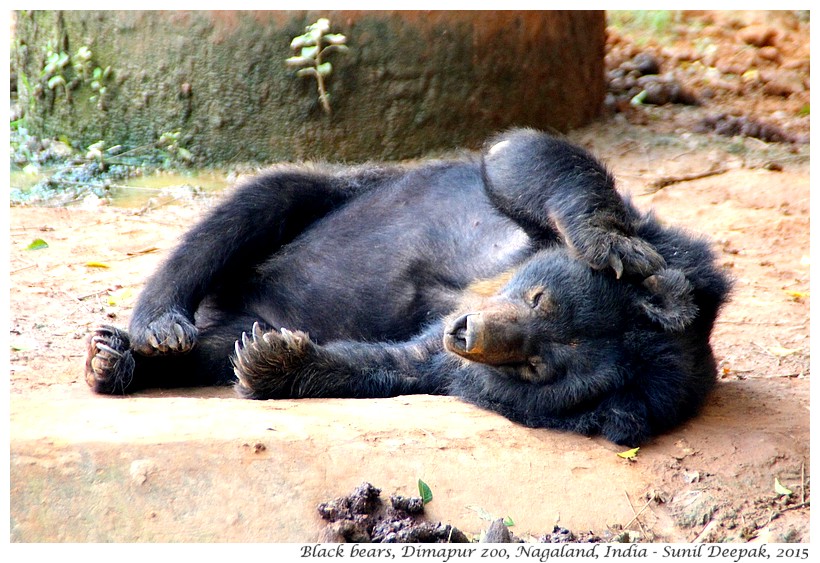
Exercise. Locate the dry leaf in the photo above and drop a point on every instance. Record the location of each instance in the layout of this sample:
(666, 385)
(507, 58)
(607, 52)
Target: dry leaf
(143, 251)
(780, 489)
(630, 454)
(117, 297)
(781, 352)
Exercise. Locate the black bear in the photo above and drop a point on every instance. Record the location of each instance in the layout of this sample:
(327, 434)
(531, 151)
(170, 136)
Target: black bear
(517, 279)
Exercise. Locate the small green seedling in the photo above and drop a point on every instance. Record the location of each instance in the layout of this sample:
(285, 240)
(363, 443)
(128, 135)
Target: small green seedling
(425, 492)
(69, 72)
(37, 244)
(52, 72)
(81, 61)
(98, 80)
(313, 45)
(170, 143)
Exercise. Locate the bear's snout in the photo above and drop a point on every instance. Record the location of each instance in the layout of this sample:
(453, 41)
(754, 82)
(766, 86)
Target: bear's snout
(495, 336)
(466, 334)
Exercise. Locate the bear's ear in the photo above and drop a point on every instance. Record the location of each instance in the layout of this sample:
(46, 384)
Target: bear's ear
(670, 301)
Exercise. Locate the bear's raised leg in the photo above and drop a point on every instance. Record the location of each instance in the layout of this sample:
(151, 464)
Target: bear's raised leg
(551, 187)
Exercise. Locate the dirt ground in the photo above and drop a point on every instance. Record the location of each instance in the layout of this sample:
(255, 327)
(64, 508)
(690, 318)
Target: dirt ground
(751, 197)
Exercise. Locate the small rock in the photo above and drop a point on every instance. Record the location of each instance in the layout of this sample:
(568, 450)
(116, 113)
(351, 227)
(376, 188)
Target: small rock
(656, 94)
(559, 535)
(738, 63)
(643, 63)
(646, 63)
(411, 505)
(758, 35)
(784, 84)
(769, 53)
(232, 519)
(730, 125)
(331, 534)
(685, 55)
(498, 533)
(140, 469)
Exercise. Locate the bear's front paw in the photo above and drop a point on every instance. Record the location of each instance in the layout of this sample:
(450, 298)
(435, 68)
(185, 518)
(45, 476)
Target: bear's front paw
(266, 364)
(109, 365)
(623, 253)
(168, 333)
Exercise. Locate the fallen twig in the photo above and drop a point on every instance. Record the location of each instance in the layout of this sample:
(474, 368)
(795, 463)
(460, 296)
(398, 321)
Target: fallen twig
(704, 533)
(805, 504)
(23, 268)
(95, 294)
(803, 482)
(141, 252)
(635, 518)
(665, 181)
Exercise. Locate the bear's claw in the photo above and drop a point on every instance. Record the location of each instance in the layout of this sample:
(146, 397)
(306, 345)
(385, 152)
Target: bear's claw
(109, 367)
(265, 363)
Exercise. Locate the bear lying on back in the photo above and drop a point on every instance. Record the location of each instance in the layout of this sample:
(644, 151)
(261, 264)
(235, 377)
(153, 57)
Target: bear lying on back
(517, 279)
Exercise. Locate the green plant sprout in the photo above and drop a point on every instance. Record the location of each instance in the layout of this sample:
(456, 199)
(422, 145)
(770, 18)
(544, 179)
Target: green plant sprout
(168, 147)
(52, 71)
(96, 152)
(170, 143)
(81, 61)
(313, 45)
(55, 70)
(98, 79)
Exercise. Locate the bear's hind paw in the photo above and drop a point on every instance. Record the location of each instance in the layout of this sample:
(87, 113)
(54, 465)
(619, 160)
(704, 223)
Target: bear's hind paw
(109, 366)
(266, 363)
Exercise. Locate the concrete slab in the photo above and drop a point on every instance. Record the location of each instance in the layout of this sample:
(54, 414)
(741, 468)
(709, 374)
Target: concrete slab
(203, 466)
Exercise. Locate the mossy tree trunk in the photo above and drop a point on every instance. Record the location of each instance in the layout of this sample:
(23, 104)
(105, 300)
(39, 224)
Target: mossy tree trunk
(411, 83)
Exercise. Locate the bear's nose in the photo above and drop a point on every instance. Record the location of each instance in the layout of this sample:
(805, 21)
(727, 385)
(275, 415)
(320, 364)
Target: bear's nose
(467, 333)
(474, 333)
(495, 335)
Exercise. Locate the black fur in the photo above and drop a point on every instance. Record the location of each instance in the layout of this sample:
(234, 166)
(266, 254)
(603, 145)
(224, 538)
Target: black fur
(361, 282)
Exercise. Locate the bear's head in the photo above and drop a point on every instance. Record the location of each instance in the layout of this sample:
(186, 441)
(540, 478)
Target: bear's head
(555, 311)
